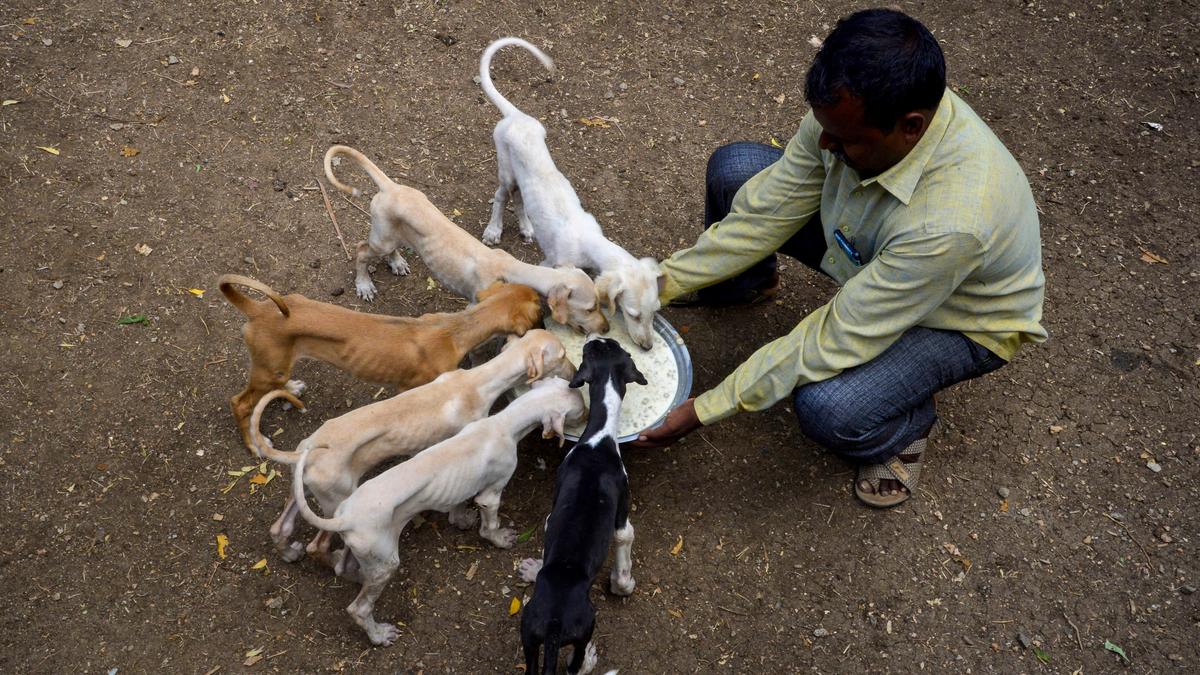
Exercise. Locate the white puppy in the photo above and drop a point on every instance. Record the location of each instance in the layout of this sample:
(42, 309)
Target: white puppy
(345, 448)
(477, 462)
(549, 210)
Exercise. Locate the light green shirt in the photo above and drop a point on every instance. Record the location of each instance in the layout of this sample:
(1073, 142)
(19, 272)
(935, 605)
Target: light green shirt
(949, 239)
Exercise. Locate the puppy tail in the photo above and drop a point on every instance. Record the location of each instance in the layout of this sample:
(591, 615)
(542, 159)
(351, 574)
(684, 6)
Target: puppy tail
(381, 179)
(327, 524)
(262, 447)
(485, 71)
(552, 644)
(244, 304)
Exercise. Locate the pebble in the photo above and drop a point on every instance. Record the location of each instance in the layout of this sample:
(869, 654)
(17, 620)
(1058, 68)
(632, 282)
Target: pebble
(1024, 640)
(274, 603)
(609, 94)
(1154, 466)
(968, 641)
(172, 60)
(678, 81)
(1026, 512)
(47, 41)
(316, 264)
(57, 284)
(820, 632)
(337, 291)
(1187, 589)
(622, 86)
(249, 261)
(1003, 492)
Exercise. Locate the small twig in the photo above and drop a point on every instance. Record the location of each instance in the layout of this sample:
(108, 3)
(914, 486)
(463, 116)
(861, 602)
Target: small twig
(1072, 624)
(365, 212)
(167, 77)
(1149, 562)
(333, 218)
(733, 611)
(710, 444)
(340, 85)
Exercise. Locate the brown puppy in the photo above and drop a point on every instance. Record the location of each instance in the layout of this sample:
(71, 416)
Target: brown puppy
(401, 351)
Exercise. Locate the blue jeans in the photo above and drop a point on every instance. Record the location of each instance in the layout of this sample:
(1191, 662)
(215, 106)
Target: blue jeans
(869, 413)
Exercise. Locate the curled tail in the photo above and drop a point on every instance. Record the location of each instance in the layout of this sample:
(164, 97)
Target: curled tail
(244, 304)
(376, 174)
(327, 524)
(262, 447)
(485, 71)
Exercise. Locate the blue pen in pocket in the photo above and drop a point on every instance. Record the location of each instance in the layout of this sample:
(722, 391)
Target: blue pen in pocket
(847, 248)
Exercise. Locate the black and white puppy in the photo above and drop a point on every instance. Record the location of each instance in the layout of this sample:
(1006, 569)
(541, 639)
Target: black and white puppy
(591, 508)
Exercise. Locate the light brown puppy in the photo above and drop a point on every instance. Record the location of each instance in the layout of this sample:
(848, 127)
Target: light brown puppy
(401, 351)
(401, 215)
(345, 448)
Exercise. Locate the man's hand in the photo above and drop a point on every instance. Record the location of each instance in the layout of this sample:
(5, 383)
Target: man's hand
(679, 423)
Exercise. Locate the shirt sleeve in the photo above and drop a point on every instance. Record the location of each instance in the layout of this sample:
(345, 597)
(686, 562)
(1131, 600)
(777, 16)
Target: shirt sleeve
(894, 292)
(768, 209)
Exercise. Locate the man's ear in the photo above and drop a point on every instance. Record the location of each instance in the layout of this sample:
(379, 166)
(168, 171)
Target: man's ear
(631, 372)
(557, 299)
(608, 288)
(913, 124)
(582, 376)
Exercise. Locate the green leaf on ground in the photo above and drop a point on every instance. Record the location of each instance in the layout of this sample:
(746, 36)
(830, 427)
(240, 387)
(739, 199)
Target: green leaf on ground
(135, 318)
(525, 536)
(1116, 650)
(1041, 654)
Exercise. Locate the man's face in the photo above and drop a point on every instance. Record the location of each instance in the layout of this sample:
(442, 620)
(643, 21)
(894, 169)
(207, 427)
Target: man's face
(863, 147)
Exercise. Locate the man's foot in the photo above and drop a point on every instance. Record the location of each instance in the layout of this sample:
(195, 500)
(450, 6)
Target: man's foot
(753, 296)
(893, 482)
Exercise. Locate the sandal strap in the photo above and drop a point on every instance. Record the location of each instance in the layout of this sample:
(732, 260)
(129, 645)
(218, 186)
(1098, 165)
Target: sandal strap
(894, 469)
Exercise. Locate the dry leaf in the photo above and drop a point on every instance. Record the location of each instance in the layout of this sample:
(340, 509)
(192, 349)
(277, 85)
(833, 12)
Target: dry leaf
(255, 652)
(252, 660)
(225, 98)
(1147, 256)
(678, 547)
(781, 98)
(198, 292)
(675, 613)
(9, 101)
(815, 42)
(258, 479)
(53, 151)
(775, 142)
(218, 517)
(123, 43)
(222, 542)
(30, 21)
(598, 121)
(471, 570)
(129, 151)
(195, 71)
(143, 249)
(514, 606)
(1054, 429)
(1003, 506)
(260, 565)
(756, 76)
(952, 549)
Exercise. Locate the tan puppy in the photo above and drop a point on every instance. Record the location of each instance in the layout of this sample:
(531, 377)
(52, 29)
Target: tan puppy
(476, 463)
(401, 351)
(346, 447)
(401, 215)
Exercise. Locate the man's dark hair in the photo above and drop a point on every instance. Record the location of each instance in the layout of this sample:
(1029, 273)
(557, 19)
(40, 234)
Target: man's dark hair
(886, 58)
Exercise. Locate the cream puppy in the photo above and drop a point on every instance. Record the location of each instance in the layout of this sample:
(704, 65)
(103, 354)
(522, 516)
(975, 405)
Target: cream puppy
(549, 210)
(475, 463)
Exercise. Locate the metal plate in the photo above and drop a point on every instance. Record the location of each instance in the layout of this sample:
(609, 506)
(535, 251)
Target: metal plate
(683, 363)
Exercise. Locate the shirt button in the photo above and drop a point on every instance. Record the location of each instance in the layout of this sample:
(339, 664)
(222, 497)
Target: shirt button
(831, 260)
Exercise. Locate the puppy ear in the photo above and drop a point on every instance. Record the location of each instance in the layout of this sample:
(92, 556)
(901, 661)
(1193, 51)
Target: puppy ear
(631, 372)
(535, 365)
(608, 287)
(557, 299)
(582, 376)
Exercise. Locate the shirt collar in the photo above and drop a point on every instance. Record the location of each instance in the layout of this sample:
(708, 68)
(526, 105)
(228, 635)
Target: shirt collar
(901, 180)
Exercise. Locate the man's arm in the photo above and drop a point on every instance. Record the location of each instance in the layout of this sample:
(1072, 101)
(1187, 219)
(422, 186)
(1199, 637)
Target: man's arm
(893, 293)
(767, 211)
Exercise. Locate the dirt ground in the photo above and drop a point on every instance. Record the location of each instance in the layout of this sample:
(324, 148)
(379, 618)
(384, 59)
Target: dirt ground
(196, 129)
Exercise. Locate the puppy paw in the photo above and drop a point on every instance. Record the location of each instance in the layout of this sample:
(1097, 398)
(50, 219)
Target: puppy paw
(621, 584)
(589, 659)
(398, 265)
(491, 234)
(383, 634)
(295, 387)
(293, 552)
(502, 537)
(529, 568)
(365, 289)
(463, 517)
